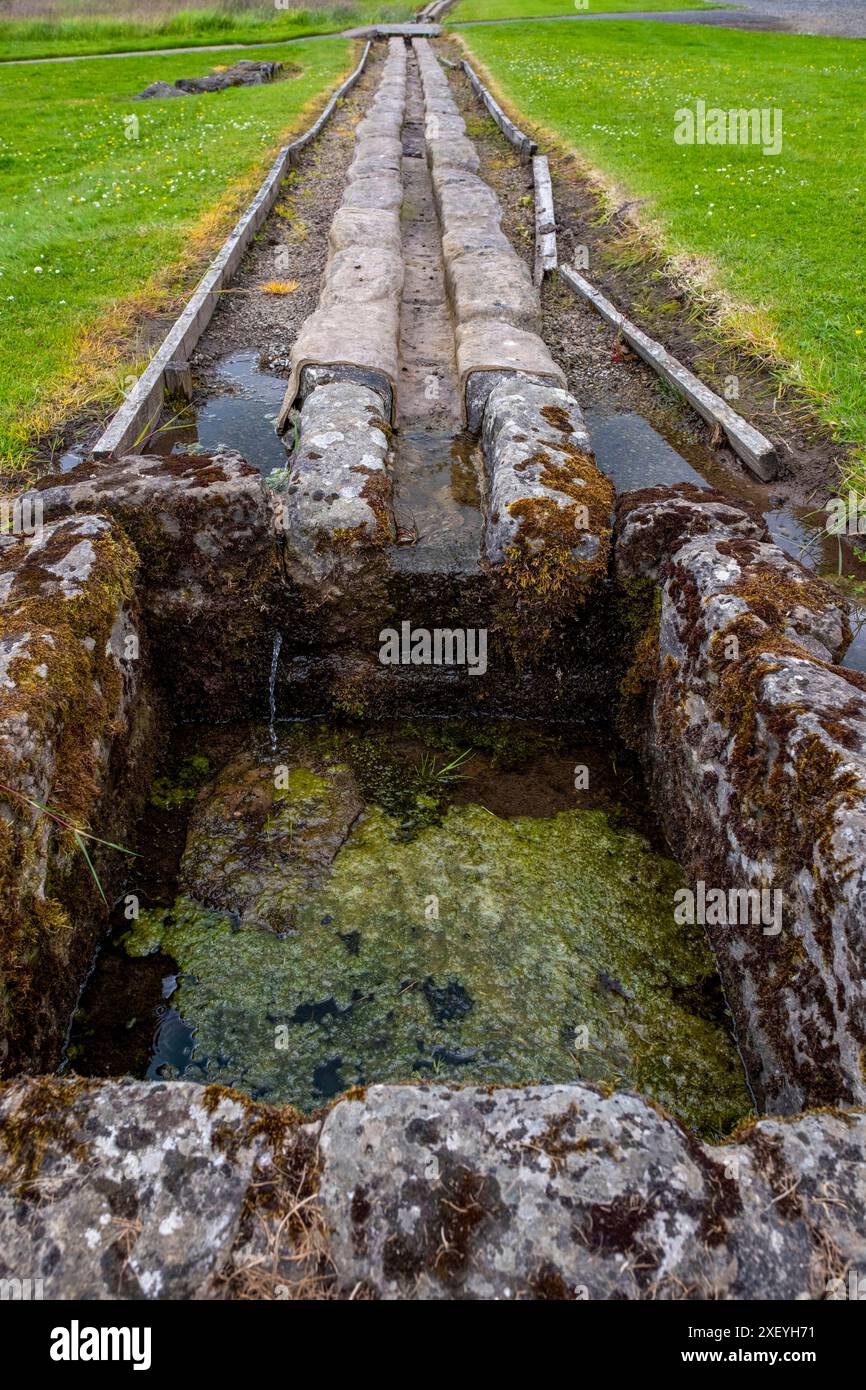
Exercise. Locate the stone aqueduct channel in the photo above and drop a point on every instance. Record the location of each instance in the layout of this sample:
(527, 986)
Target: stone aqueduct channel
(439, 475)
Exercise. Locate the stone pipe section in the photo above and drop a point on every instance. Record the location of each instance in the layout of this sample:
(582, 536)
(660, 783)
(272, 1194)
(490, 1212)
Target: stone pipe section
(353, 333)
(335, 512)
(549, 507)
(494, 302)
(754, 743)
(336, 508)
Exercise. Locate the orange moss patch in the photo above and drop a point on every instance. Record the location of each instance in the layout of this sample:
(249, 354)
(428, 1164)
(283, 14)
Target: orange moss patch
(542, 566)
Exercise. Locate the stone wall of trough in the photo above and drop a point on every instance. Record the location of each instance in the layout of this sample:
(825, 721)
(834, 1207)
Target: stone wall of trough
(755, 746)
(407, 1192)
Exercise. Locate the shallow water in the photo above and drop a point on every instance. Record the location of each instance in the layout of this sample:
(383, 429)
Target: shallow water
(422, 901)
(238, 414)
(437, 502)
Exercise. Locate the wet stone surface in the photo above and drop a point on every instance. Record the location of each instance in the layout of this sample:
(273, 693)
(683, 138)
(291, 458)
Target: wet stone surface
(417, 903)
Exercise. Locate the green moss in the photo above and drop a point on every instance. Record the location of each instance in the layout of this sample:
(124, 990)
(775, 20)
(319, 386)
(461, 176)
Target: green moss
(352, 695)
(793, 806)
(543, 561)
(507, 743)
(300, 786)
(476, 948)
(170, 793)
(44, 1122)
(637, 605)
(64, 692)
(545, 577)
(80, 691)
(413, 793)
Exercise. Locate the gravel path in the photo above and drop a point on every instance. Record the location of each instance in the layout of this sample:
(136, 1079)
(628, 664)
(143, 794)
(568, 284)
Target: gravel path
(843, 17)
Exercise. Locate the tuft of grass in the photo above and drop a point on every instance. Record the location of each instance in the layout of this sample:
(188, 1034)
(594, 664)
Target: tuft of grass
(449, 772)
(752, 236)
(279, 286)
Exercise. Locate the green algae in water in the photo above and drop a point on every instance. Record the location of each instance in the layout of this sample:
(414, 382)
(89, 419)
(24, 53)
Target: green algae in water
(533, 949)
(171, 793)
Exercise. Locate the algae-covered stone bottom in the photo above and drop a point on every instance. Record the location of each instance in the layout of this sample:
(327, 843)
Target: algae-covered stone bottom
(349, 913)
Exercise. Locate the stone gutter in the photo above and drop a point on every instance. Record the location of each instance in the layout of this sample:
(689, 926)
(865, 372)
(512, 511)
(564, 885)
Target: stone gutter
(352, 335)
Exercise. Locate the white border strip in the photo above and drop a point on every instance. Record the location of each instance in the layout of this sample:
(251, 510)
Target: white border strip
(145, 401)
(747, 442)
(515, 137)
(546, 258)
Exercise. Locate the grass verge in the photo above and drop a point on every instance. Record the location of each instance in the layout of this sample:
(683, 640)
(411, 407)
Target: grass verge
(68, 36)
(106, 204)
(771, 245)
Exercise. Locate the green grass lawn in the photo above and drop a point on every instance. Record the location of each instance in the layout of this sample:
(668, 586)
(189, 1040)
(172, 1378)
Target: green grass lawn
(89, 217)
(541, 9)
(782, 237)
(66, 34)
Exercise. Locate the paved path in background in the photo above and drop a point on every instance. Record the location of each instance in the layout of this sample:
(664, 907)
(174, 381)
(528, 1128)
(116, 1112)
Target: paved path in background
(152, 52)
(846, 18)
(719, 19)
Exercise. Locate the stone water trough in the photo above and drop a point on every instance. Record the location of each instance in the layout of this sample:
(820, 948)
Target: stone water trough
(541, 976)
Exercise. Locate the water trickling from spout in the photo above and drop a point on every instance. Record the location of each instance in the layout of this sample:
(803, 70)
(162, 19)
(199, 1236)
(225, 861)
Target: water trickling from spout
(272, 690)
